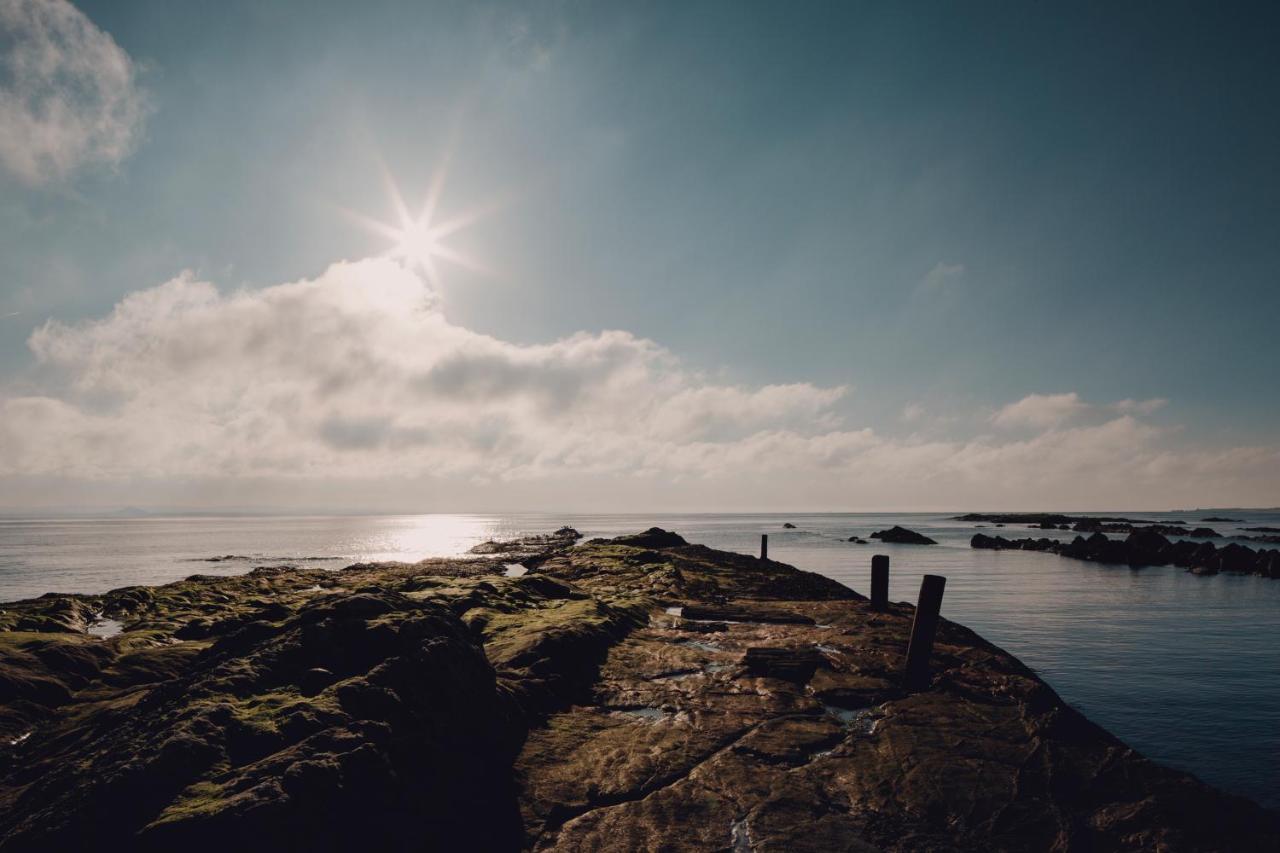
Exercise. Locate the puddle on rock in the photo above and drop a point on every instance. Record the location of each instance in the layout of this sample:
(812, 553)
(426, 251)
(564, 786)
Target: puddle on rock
(649, 714)
(828, 650)
(740, 837)
(104, 627)
(675, 611)
(859, 720)
(20, 738)
(515, 570)
(700, 645)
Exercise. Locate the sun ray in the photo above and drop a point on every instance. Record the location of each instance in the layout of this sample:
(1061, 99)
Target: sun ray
(460, 259)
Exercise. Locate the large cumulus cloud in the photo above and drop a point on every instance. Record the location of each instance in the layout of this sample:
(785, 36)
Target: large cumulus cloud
(358, 374)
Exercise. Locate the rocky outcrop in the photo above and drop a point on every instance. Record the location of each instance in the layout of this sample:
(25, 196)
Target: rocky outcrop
(1146, 547)
(1047, 520)
(528, 546)
(1091, 526)
(902, 536)
(635, 693)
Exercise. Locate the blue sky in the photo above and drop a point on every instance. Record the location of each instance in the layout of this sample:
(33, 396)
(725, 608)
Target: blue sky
(943, 210)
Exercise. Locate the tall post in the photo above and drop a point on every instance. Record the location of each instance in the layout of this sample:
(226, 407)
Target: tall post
(923, 627)
(880, 582)
(764, 546)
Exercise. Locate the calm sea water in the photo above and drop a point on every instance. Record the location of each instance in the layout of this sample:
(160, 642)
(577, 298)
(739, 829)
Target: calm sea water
(1186, 669)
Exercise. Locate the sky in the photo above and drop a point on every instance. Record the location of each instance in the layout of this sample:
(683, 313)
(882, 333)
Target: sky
(682, 256)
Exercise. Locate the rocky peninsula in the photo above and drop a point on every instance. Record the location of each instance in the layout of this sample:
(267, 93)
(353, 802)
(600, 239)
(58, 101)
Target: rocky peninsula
(638, 693)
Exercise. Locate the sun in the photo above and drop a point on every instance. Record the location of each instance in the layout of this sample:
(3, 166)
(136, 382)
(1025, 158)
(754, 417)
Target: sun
(416, 244)
(419, 240)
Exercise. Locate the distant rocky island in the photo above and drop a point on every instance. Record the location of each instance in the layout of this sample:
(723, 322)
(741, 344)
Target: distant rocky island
(1148, 546)
(637, 693)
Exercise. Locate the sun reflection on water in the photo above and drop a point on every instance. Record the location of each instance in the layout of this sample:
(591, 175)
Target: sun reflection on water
(416, 537)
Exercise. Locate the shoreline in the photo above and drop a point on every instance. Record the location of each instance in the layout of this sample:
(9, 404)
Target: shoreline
(590, 712)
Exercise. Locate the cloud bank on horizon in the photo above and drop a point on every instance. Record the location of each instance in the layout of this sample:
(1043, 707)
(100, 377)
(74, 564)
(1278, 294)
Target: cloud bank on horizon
(358, 374)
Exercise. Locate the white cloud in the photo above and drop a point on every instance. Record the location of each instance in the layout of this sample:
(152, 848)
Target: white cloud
(358, 377)
(70, 97)
(941, 274)
(1040, 411)
(913, 412)
(1140, 407)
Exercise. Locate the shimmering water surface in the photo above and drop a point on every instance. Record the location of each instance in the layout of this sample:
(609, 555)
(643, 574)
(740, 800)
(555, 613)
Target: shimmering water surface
(1184, 668)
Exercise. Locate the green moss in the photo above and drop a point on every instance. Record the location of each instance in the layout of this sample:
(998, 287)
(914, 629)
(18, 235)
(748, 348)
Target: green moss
(198, 800)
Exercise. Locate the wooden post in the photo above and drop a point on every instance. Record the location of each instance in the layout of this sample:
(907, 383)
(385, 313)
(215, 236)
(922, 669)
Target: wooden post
(764, 546)
(923, 628)
(879, 582)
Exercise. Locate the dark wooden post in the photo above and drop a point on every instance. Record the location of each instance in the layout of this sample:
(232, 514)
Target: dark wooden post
(923, 628)
(879, 582)
(764, 546)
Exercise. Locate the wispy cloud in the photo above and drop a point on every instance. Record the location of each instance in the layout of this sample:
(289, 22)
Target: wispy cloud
(70, 97)
(940, 276)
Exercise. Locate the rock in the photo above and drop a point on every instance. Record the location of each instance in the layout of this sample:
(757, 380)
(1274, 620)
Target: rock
(788, 525)
(654, 537)
(1146, 547)
(438, 706)
(795, 665)
(529, 547)
(902, 536)
(857, 541)
(314, 680)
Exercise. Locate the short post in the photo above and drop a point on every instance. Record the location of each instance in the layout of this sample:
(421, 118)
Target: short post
(880, 582)
(764, 546)
(923, 627)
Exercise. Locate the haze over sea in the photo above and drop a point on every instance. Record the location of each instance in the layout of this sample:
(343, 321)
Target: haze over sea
(1181, 667)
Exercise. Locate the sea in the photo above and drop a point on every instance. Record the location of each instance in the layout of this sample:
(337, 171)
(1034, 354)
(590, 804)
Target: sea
(1185, 669)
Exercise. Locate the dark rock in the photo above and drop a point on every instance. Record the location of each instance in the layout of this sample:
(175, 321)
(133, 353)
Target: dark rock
(902, 536)
(314, 680)
(788, 525)
(654, 537)
(795, 665)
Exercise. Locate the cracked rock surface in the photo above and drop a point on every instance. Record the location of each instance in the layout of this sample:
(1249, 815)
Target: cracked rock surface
(631, 694)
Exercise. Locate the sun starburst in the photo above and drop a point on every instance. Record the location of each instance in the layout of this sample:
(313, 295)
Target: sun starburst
(419, 240)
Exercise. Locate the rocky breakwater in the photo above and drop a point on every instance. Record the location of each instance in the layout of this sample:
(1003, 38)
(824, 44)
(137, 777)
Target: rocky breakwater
(626, 694)
(1147, 547)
